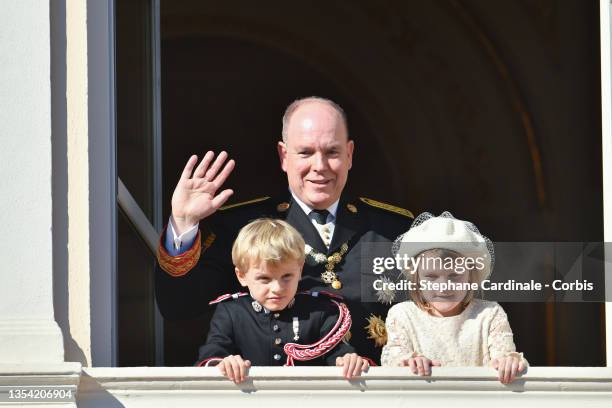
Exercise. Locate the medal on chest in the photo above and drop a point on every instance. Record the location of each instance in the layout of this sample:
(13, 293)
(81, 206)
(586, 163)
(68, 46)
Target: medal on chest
(329, 276)
(296, 328)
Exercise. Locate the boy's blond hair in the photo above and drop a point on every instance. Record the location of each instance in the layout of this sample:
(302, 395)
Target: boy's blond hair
(269, 241)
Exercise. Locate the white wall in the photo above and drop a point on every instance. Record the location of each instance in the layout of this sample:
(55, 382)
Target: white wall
(84, 178)
(28, 331)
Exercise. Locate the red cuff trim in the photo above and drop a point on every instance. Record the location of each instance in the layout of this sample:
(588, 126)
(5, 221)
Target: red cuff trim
(179, 265)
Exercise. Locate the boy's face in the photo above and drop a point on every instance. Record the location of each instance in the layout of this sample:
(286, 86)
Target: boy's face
(272, 285)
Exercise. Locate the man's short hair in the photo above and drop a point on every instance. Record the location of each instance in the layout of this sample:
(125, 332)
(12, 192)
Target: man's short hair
(269, 241)
(299, 102)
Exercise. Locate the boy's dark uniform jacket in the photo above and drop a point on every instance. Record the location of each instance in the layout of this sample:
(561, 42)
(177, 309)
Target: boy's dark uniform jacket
(185, 283)
(237, 327)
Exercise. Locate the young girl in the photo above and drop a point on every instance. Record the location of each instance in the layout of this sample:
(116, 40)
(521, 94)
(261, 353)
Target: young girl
(445, 325)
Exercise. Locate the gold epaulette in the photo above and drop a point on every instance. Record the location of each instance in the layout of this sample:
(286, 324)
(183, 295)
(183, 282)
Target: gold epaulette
(227, 207)
(388, 207)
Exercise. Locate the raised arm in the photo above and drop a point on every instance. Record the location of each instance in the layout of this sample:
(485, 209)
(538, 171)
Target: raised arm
(193, 272)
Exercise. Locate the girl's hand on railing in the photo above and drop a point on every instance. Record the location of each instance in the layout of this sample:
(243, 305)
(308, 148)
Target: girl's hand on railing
(420, 365)
(508, 368)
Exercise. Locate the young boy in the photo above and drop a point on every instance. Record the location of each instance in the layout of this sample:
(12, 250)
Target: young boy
(271, 325)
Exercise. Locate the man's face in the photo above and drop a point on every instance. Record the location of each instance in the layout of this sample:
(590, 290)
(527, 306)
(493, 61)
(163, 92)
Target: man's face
(317, 154)
(273, 286)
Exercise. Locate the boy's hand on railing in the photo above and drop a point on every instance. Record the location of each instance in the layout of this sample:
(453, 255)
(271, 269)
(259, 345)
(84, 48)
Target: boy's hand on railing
(508, 368)
(234, 368)
(352, 365)
(420, 365)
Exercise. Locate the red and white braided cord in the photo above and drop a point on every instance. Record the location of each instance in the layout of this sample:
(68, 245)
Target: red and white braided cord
(304, 352)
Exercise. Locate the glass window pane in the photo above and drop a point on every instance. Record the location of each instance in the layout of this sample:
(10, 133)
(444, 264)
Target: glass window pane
(135, 161)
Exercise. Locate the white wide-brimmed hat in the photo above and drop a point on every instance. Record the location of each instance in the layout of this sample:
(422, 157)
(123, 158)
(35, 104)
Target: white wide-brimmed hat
(446, 232)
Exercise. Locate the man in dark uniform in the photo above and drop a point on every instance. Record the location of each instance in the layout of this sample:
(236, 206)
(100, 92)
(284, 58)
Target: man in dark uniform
(316, 153)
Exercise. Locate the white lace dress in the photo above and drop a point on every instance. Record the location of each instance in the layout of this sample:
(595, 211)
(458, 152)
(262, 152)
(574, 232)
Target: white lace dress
(474, 337)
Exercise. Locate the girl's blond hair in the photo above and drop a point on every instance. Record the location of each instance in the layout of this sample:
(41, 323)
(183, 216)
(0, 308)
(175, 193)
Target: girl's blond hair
(269, 241)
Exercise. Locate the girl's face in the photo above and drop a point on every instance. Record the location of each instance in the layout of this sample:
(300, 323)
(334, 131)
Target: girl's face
(444, 303)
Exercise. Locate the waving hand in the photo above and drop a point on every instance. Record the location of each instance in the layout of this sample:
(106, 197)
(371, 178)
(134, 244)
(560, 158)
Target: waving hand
(195, 196)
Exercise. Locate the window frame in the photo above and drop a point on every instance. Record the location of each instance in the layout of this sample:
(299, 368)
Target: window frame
(103, 194)
(605, 16)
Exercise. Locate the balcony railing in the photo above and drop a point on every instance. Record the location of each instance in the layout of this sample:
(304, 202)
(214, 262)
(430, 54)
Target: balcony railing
(323, 386)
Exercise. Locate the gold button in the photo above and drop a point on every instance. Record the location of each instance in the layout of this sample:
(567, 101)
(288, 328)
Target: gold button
(277, 341)
(282, 207)
(276, 315)
(351, 208)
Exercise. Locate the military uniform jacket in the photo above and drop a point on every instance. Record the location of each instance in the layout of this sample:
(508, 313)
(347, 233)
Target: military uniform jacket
(240, 326)
(185, 283)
